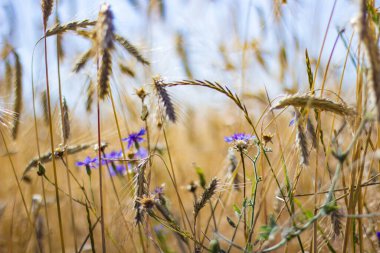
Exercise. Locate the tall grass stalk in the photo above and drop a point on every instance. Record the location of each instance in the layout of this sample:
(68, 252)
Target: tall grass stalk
(64, 140)
(39, 156)
(18, 183)
(52, 144)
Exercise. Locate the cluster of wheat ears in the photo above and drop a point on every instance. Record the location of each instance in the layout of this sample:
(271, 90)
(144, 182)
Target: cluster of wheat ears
(312, 186)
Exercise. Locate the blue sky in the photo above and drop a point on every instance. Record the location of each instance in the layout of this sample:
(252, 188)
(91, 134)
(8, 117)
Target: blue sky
(205, 24)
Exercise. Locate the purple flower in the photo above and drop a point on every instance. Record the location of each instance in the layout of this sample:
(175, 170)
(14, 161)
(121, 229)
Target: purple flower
(141, 153)
(88, 162)
(239, 137)
(378, 236)
(135, 138)
(240, 141)
(110, 157)
(118, 170)
(159, 189)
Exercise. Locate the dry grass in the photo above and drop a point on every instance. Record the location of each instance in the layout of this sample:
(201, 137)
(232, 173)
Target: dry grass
(113, 169)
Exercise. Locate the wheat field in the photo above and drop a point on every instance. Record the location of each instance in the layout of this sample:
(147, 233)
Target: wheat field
(190, 126)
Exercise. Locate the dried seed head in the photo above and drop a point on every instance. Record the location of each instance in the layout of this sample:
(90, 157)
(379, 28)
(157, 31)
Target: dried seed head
(8, 76)
(267, 137)
(192, 187)
(301, 141)
(140, 191)
(126, 69)
(18, 95)
(323, 104)
(90, 96)
(131, 49)
(206, 196)
(65, 121)
(311, 132)
(141, 93)
(336, 221)
(104, 40)
(164, 97)
(47, 7)
(73, 25)
(82, 60)
(105, 28)
(147, 201)
(61, 52)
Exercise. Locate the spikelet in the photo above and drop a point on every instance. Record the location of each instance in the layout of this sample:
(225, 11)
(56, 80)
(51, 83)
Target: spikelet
(65, 121)
(322, 104)
(140, 191)
(131, 49)
(206, 196)
(8, 76)
(90, 96)
(164, 97)
(301, 140)
(61, 52)
(311, 132)
(104, 39)
(47, 7)
(336, 221)
(309, 71)
(45, 107)
(82, 60)
(18, 94)
(71, 26)
(126, 70)
(371, 45)
(44, 158)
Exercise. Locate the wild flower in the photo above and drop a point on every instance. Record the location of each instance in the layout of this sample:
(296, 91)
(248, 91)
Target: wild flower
(240, 141)
(135, 138)
(378, 236)
(88, 162)
(159, 190)
(112, 156)
(141, 153)
(118, 170)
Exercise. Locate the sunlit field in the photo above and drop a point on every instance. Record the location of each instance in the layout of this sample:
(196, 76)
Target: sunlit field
(189, 126)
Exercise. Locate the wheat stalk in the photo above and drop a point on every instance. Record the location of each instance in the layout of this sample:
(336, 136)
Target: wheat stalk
(206, 196)
(18, 94)
(47, 7)
(66, 121)
(70, 26)
(164, 97)
(82, 60)
(131, 49)
(104, 40)
(322, 104)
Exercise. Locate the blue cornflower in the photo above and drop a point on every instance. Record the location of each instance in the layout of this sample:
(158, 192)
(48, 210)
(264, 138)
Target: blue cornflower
(239, 137)
(118, 170)
(378, 237)
(141, 153)
(159, 190)
(240, 140)
(135, 138)
(88, 162)
(113, 155)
